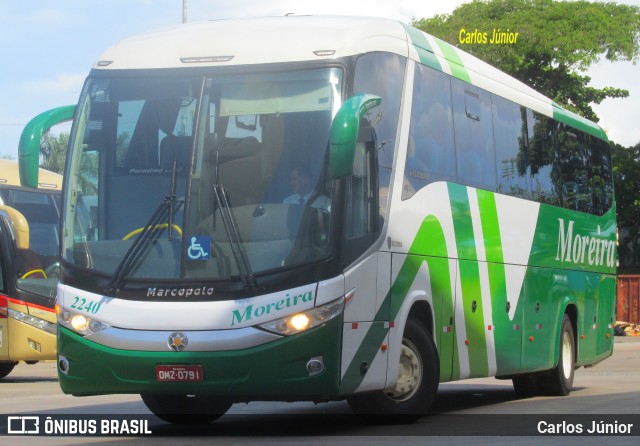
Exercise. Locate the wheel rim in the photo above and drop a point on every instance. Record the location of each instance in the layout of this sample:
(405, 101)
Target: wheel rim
(409, 375)
(567, 355)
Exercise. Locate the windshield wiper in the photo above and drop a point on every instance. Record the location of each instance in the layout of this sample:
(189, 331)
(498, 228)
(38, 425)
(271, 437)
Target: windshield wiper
(146, 235)
(231, 228)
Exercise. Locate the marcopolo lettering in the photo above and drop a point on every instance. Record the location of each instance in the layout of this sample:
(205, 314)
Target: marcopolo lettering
(180, 292)
(255, 311)
(584, 249)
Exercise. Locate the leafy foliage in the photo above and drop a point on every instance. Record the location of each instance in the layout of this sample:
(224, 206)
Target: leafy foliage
(53, 155)
(53, 151)
(557, 40)
(626, 173)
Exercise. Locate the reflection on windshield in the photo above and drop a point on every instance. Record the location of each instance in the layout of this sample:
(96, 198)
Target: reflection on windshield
(36, 264)
(261, 139)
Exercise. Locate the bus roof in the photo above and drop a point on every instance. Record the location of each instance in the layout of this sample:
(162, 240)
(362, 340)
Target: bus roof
(304, 38)
(10, 176)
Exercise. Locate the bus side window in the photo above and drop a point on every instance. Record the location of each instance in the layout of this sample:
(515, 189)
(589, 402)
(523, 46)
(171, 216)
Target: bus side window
(382, 74)
(361, 207)
(472, 121)
(572, 182)
(510, 131)
(542, 158)
(360, 195)
(600, 176)
(431, 149)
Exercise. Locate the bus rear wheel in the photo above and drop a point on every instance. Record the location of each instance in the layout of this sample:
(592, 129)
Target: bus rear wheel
(6, 368)
(527, 386)
(417, 383)
(559, 381)
(186, 409)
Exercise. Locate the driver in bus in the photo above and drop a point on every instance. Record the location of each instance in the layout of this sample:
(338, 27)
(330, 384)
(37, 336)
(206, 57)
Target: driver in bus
(303, 191)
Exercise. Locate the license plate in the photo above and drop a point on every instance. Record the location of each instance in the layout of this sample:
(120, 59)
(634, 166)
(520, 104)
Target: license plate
(178, 373)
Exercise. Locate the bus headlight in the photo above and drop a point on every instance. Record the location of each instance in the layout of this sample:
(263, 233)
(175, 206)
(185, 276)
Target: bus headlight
(80, 323)
(298, 322)
(32, 320)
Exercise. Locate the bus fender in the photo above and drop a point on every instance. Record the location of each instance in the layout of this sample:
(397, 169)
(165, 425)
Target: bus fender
(570, 308)
(413, 298)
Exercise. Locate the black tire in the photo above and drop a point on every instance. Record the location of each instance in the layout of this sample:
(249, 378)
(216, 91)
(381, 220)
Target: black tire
(6, 368)
(417, 382)
(526, 386)
(186, 409)
(559, 381)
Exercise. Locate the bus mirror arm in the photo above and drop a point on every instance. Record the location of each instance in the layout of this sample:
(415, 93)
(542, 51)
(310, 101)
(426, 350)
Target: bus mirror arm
(345, 133)
(29, 146)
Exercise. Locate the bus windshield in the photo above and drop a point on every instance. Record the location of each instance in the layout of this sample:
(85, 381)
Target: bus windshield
(210, 176)
(37, 266)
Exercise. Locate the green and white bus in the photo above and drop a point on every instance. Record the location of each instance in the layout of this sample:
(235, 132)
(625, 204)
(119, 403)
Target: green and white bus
(325, 208)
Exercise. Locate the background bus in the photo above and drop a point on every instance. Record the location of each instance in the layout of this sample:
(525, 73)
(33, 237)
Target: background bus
(361, 212)
(29, 267)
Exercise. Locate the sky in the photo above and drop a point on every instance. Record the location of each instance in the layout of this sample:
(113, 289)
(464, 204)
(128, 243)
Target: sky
(48, 47)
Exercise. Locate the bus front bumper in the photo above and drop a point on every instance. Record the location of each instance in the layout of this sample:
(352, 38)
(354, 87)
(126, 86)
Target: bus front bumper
(274, 371)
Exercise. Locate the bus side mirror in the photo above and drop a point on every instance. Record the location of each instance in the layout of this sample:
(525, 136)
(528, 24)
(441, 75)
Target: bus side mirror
(29, 147)
(344, 133)
(18, 225)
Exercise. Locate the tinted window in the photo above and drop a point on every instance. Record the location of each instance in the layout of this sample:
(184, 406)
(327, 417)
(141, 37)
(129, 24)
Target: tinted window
(382, 74)
(572, 161)
(474, 135)
(569, 167)
(599, 176)
(542, 157)
(498, 145)
(361, 213)
(510, 131)
(431, 150)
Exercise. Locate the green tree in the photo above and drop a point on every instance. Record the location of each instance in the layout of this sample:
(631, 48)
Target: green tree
(53, 155)
(626, 174)
(557, 42)
(53, 151)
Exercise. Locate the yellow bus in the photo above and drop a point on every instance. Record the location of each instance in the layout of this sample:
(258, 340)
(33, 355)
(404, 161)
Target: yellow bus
(29, 267)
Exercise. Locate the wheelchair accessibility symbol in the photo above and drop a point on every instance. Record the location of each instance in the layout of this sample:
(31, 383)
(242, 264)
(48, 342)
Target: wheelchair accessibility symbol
(199, 247)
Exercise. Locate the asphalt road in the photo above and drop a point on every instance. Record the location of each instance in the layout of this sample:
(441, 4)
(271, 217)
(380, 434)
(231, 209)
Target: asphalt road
(608, 392)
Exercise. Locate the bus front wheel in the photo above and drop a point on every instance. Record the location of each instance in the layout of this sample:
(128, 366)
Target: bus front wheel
(186, 409)
(417, 383)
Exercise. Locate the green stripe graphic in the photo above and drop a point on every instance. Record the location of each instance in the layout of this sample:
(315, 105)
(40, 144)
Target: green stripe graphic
(469, 281)
(422, 46)
(429, 246)
(453, 58)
